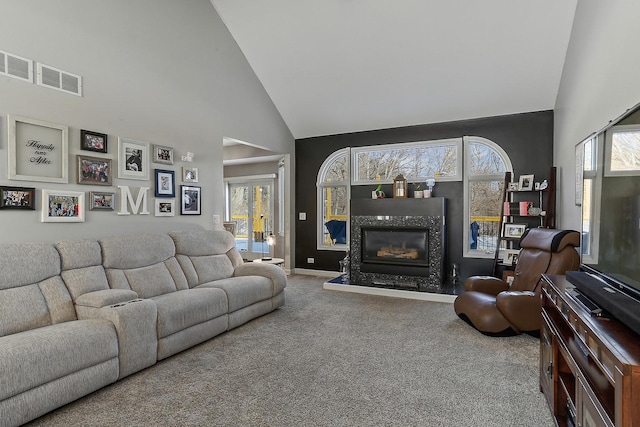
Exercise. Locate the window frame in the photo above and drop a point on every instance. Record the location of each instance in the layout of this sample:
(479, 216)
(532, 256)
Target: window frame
(608, 149)
(321, 184)
(467, 252)
(456, 142)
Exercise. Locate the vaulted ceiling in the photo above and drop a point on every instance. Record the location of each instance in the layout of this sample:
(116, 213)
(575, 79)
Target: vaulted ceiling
(337, 66)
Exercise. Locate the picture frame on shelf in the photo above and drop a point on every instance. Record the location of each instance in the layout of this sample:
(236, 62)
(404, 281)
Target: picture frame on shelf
(94, 170)
(525, 183)
(17, 198)
(133, 159)
(508, 276)
(37, 150)
(513, 186)
(165, 183)
(100, 201)
(189, 174)
(165, 207)
(513, 231)
(511, 256)
(93, 141)
(62, 206)
(162, 154)
(190, 200)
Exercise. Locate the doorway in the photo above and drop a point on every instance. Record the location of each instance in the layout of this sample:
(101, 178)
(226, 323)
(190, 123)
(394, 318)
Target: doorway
(251, 207)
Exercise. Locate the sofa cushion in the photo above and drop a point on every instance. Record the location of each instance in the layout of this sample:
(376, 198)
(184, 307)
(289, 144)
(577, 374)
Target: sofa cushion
(136, 250)
(182, 309)
(82, 269)
(243, 291)
(27, 263)
(150, 281)
(35, 357)
(34, 306)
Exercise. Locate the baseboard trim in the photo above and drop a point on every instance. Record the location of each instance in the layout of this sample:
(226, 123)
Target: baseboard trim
(395, 293)
(319, 273)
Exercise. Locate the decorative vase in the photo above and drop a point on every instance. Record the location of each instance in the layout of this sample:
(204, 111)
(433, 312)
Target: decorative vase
(417, 194)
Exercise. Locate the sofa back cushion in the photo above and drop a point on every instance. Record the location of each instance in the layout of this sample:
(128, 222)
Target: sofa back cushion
(144, 263)
(82, 269)
(206, 255)
(32, 293)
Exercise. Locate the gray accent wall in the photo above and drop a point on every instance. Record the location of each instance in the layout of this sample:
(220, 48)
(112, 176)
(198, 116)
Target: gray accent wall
(599, 83)
(159, 71)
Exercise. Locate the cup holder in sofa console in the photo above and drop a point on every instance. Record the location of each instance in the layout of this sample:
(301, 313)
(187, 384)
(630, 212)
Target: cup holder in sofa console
(122, 304)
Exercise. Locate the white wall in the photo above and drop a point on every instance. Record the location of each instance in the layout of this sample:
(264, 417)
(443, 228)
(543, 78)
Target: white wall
(161, 71)
(600, 81)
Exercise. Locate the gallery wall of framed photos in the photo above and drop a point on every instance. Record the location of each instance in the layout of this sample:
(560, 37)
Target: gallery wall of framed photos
(39, 152)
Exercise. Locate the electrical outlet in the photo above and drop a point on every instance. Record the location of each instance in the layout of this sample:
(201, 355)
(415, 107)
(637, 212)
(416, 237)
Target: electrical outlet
(310, 260)
(216, 219)
(302, 216)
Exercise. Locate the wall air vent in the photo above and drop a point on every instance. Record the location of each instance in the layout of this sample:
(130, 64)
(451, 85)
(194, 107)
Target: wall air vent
(16, 66)
(54, 78)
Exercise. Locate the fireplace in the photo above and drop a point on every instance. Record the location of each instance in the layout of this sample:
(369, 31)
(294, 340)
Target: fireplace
(398, 243)
(395, 246)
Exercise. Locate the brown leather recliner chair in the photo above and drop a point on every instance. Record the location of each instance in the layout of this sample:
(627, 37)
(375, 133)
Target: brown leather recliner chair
(495, 308)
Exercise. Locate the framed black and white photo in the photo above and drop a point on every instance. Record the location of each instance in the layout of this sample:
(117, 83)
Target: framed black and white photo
(37, 150)
(525, 183)
(165, 183)
(94, 170)
(189, 174)
(62, 206)
(17, 198)
(190, 200)
(511, 256)
(93, 141)
(99, 201)
(162, 154)
(165, 207)
(133, 159)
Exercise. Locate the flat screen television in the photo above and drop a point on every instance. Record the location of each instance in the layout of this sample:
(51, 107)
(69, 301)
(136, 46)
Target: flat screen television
(610, 249)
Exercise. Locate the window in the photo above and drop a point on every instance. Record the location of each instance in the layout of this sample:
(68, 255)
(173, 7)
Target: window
(591, 189)
(485, 166)
(622, 155)
(333, 202)
(416, 161)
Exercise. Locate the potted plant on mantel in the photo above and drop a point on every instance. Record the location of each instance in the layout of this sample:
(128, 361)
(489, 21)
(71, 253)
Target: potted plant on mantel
(417, 192)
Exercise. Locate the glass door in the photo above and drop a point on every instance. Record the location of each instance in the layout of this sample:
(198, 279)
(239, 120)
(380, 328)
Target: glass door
(251, 207)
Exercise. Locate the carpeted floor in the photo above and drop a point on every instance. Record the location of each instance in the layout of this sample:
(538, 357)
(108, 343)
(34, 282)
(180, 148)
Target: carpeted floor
(331, 358)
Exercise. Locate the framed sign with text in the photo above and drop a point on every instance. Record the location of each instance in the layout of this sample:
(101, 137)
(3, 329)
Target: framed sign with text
(37, 150)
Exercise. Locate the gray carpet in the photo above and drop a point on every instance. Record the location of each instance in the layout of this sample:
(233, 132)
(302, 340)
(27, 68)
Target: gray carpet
(331, 358)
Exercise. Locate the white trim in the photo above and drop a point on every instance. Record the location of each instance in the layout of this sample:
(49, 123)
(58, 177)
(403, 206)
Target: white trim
(319, 273)
(395, 293)
(321, 184)
(595, 214)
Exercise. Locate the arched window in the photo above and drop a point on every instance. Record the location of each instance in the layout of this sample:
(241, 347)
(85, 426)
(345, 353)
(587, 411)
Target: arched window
(333, 201)
(485, 166)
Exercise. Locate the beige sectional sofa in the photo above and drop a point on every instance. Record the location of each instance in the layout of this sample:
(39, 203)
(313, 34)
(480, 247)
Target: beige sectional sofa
(79, 315)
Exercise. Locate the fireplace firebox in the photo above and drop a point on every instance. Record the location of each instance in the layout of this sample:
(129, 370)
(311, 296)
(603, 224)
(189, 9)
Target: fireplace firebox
(395, 246)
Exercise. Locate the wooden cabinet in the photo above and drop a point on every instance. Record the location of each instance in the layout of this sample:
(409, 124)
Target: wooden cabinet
(589, 366)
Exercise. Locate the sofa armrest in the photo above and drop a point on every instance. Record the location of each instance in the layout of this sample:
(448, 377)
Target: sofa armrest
(485, 284)
(276, 274)
(521, 308)
(105, 297)
(135, 322)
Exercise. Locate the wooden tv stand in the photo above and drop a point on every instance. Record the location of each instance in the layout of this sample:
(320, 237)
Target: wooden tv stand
(589, 366)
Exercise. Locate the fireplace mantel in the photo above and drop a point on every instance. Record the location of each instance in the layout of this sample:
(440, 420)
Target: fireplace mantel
(427, 214)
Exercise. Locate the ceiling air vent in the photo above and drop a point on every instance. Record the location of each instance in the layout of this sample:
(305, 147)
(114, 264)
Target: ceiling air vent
(59, 80)
(16, 66)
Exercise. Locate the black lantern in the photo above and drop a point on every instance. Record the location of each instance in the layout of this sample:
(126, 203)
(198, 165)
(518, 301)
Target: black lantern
(400, 187)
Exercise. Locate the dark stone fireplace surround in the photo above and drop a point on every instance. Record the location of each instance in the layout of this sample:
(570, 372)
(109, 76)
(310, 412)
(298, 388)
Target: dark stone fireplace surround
(426, 214)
